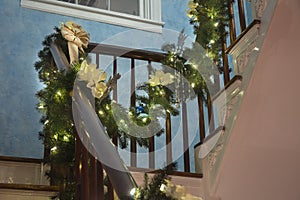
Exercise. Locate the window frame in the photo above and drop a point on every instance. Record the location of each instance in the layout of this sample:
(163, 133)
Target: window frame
(149, 19)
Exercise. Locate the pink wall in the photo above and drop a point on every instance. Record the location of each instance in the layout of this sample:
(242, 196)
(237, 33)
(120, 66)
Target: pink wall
(262, 160)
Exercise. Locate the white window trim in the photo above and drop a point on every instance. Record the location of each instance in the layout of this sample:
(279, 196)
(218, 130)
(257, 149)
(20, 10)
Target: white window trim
(150, 11)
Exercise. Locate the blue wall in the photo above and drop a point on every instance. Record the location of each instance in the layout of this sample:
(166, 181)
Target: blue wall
(22, 31)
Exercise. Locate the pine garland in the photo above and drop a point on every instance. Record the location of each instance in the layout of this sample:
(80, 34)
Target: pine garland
(55, 105)
(210, 19)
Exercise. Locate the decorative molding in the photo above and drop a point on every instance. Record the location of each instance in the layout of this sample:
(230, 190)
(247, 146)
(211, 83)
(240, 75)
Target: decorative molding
(152, 24)
(242, 49)
(260, 6)
(226, 100)
(243, 58)
(213, 155)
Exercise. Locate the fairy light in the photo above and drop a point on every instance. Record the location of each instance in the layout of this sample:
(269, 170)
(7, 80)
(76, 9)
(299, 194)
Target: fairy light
(53, 148)
(163, 187)
(132, 191)
(101, 112)
(41, 106)
(144, 120)
(59, 93)
(66, 138)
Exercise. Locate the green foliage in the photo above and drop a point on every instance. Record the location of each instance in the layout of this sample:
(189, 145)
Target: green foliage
(210, 19)
(55, 106)
(151, 190)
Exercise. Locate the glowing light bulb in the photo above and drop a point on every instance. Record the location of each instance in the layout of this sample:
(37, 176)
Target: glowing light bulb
(144, 120)
(54, 148)
(163, 187)
(58, 93)
(101, 112)
(132, 191)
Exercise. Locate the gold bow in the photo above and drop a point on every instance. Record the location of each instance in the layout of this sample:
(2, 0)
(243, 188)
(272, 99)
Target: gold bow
(77, 38)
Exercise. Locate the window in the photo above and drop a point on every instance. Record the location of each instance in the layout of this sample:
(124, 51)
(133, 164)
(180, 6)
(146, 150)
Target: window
(138, 14)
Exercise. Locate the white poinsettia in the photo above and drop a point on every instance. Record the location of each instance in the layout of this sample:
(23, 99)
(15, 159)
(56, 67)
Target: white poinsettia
(99, 89)
(161, 78)
(91, 74)
(94, 77)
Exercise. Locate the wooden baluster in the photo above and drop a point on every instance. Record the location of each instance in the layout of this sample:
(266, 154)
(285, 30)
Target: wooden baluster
(168, 139)
(133, 160)
(151, 142)
(210, 114)
(93, 178)
(78, 167)
(242, 15)
(115, 97)
(225, 62)
(110, 190)
(232, 30)
(201, 119)
(186, 154)
(100, 182)
(84, 175)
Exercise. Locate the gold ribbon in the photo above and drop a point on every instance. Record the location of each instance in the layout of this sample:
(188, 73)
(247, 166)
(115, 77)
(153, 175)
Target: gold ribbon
(77, 39)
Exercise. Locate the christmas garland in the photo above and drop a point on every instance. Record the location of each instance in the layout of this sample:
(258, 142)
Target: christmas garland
(210, 20)
(59, 132)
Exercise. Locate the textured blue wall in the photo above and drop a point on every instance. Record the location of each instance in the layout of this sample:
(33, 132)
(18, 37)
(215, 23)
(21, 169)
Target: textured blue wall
(22, 31)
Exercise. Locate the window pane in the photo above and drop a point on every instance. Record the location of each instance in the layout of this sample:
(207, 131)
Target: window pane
(70, 1)
(125, 6)
(94, 3)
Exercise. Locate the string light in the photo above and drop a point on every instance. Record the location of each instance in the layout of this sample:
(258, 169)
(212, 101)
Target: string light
(54, 148)
(163, 187)
(132, 191)
(101, 112)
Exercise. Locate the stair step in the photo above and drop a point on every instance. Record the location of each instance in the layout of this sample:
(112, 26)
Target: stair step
(27, 191)
(23, 171)
(191, 181)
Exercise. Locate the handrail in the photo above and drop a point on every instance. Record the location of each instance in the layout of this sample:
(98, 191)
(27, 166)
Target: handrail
(253, 23)
(126, 52)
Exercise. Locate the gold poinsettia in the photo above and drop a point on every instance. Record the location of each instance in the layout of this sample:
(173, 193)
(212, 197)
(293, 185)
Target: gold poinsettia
(161, 78)
(192, 8)
(77, 39)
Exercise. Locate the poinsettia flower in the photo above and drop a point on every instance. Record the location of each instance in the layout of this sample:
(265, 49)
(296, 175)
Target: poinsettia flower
(99, 89)
(161, 78)
(76, 34)
(91, 74)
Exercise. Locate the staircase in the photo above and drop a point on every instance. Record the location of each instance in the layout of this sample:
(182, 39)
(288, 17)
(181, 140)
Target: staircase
(24, 179)
(254, 155)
